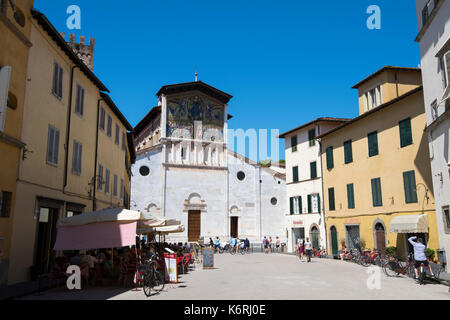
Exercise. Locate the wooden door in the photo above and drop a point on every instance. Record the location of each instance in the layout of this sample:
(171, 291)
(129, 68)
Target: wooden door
(234, 227)
(380, 238)
(194, 226)
(334, 241)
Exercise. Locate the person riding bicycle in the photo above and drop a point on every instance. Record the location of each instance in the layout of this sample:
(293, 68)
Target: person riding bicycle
(233, 243)
(216, 244)
(419, 256)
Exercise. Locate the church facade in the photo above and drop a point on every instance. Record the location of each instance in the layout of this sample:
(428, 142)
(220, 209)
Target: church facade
(184, 170)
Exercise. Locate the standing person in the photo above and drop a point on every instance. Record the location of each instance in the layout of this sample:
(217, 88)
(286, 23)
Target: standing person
(419, 256)
(278, 244)
(270, 244)
(247, 244)
(211, 242)
(300, 252)
(308, 248)
(265, 244)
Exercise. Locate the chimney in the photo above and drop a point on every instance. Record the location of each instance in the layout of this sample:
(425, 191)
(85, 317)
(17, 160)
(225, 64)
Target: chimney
(71, 38)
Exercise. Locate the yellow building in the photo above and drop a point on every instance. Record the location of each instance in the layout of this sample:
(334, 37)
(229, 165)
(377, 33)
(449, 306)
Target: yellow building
(376, 168)
(14, 43)
(78, 153)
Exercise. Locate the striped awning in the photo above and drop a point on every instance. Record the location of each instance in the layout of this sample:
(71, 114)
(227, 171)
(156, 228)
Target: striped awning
(417, 223)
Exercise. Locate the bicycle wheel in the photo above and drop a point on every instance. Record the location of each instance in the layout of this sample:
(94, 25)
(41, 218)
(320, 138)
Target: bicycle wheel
(390, 269)
(158, 281)
(232, 251)
(146, 284)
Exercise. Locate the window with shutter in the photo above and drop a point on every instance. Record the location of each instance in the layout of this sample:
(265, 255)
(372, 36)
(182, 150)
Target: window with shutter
(372, 139)
(57, 84)
(376, 192)
(311, 137)
(109, 131)
(313, 167)
(405, 133)
(5, 75)
(115, 186)
(291, 205)
(295, 174)
(79, 103)
(300, 205)
(117, 134)
(52, 145)
(102, 119)
(309, 203)
(124, 145)
(107, 173)
(331, 202)
(294, 143)
(348, 154)
(409, 183)
(330, 158)
(350, 196)
(76, 158)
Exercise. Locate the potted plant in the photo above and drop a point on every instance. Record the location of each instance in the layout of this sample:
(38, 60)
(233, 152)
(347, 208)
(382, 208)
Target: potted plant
(391, 252)
(429, 253)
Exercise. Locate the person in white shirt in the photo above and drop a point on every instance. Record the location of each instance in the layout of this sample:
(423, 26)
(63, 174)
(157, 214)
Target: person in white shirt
(419, 256)
(308, 247)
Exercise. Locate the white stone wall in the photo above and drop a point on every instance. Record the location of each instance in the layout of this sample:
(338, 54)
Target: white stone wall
(222, 192)
(437, 34)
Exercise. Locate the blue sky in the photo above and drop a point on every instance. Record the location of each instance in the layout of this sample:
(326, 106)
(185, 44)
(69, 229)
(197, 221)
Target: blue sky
(285, 62)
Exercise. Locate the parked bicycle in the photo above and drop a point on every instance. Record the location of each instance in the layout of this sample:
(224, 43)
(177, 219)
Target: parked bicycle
(151, 277)
(395, 266)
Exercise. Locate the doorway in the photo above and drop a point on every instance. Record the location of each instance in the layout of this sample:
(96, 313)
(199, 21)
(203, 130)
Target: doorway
(45, 255)
(380, 238)
(234, 231)
(298, 234)
(334, 241)
(315, 238)
(194, 225)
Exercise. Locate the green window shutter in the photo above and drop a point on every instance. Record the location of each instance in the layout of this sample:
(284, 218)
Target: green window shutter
(409, 182)
(318, 202)
(350, 196)
(348, 151)
(373, 144)
(313, 166)
(405, 132)
(300, 206)
(311, 137)
(294, 143)
(295, 174)
(291, 205)
(309, 204)
(330, 160)
(331, 204)
(376, 192)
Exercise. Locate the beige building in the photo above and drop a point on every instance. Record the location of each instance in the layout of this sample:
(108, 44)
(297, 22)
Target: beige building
(79, 150)
(14, 46)
(376, 168)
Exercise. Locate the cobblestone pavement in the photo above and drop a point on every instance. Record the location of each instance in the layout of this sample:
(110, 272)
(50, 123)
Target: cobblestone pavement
(271, 276)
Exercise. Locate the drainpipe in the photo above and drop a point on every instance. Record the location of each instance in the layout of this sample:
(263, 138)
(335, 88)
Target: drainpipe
(69, 116)
(94, 200)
